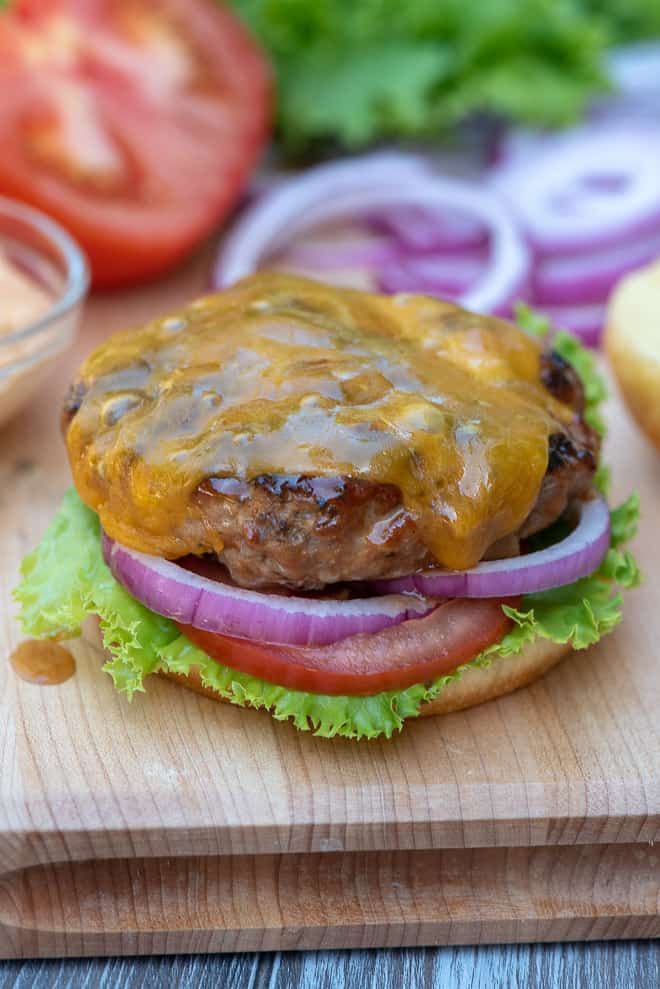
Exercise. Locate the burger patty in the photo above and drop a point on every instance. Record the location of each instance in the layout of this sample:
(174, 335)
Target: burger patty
(308, 532)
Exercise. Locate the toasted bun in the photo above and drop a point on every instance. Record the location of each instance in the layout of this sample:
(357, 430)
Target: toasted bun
(632, 341)
(476, 685)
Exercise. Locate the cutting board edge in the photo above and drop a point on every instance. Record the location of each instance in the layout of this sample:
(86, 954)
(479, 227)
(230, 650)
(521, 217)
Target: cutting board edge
(20, 849)
(374, 899)
(616, 928)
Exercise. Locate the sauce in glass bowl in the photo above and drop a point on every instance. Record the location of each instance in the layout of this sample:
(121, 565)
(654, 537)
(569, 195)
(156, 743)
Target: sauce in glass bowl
(43, 281)
(22, 299)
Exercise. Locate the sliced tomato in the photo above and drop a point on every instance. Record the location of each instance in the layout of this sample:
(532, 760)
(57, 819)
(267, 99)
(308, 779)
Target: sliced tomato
(136, 123)
(416, 651)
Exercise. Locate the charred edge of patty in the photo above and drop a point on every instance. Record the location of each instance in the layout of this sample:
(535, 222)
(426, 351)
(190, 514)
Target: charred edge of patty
(562, 380)
(72, 403)
(564, 453)
(572, 463)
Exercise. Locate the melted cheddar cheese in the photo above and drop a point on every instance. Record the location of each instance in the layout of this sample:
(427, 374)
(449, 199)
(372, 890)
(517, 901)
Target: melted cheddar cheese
(280, 375)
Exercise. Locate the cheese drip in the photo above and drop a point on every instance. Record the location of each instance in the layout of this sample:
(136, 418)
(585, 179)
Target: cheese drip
(280, 375)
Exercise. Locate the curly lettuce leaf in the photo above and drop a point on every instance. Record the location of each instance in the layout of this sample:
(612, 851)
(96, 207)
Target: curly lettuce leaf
(352, 73)
(65, 579)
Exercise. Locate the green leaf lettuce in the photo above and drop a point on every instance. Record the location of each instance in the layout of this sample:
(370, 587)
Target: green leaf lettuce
(351, 73)
(354, 72)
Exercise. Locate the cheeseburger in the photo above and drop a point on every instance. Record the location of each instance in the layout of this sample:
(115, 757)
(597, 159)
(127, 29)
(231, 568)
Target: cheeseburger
(346, 508)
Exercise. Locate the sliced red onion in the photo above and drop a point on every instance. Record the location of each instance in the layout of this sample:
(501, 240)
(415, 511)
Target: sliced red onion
(176, 593)
(312, 199)
(282, 197)
(420, 230)
(353, 277)
(578, 555)
(585, 322)
(593, 187)
(359, 248)
(377, 165)
(445, 276)
(584, 278)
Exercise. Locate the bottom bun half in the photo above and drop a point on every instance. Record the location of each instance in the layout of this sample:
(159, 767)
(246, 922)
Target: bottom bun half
(476, 685)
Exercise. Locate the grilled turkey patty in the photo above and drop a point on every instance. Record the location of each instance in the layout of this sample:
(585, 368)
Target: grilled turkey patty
(306, 532)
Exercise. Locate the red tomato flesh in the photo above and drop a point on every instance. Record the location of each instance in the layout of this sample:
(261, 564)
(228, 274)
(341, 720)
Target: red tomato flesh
(416, 651)
(135, 123)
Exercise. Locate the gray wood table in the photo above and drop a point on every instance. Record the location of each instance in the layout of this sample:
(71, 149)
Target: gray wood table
(605, 965)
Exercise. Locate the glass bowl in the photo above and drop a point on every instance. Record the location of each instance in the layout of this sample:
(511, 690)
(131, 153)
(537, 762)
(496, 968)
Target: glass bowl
(41, 250)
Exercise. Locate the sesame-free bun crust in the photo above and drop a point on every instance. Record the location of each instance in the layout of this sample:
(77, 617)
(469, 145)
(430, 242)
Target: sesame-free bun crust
(632, 342)
(476, 685)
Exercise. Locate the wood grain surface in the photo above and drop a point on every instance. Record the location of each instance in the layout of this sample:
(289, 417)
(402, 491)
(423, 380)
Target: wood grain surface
(574, 759)
(557, 966)
(346, 900)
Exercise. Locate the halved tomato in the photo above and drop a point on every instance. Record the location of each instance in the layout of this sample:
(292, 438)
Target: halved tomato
(417, 651)
(136, 123)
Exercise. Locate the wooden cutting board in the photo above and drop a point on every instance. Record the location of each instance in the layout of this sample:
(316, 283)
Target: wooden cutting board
(177, 824)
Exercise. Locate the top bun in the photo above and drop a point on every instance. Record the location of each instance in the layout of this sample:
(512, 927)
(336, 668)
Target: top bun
(632, 341)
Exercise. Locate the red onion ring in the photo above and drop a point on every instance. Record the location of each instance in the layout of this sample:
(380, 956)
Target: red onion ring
(445, 276)
(419, 230)
(356, 277)
(377, 164)
(578, 555)
(289, 194)
(582, 278)
(361, 249)
(590, 188)
(311, 199)
(185, 597)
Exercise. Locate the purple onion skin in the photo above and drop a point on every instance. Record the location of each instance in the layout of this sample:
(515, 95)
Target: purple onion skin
(430, 233)
(589, 278)
(190, 602)
(586, 547)
(627, 234)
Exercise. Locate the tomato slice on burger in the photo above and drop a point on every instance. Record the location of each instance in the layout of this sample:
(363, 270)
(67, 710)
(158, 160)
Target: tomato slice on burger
(136, 123)
(416, 651)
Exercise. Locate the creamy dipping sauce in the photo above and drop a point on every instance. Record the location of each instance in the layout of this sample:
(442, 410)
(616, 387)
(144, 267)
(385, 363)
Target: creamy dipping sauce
(22, 301)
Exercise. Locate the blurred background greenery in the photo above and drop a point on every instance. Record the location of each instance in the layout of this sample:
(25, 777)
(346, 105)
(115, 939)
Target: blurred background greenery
(353, 72)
